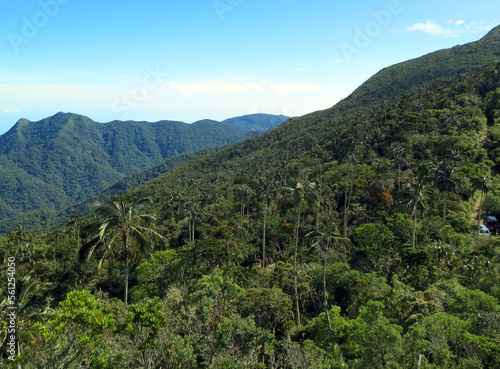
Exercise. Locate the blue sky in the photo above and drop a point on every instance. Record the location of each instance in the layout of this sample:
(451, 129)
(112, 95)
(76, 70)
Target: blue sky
(193, 59)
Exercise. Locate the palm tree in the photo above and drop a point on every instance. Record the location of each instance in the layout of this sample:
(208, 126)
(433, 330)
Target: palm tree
(418, 199)
(75, 223)
(351, 173)
(324, 240)
(298, 194)
(192, 209)
(244, 194)
(399, 151)
(445, 174)
(265, 190)
(120, 221)
(21, 239)
(172, 202)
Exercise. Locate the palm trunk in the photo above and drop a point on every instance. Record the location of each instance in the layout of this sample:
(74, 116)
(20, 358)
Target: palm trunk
(479, 212)
(444, 206)
(399, 175)
(264, 236)
(348, 191)
(324, 290)
(126, 279)
(193, 229)
(126, 244)
(242, 212)
(414, 225)
(318, 213)
(295, 266)
(345, 201)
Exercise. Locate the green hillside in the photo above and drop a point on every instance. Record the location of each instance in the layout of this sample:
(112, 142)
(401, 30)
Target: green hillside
(256, 122)
(346, 238)
(68, 158)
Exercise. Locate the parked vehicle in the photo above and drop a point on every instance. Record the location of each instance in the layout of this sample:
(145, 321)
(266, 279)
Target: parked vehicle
(492, 224)
(483, 230)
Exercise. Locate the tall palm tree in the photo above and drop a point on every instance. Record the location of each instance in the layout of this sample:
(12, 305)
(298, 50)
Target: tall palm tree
(192, 209)
(75, 223)
(398, 151)
(265, 190)
(324, 240)
(446, 180)
(351, 174)
(418, 200)
(298, 193)
(120, 221)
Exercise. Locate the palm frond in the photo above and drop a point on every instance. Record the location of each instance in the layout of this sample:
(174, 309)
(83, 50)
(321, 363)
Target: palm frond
(144, 240)
(108, 208)
(31, 290)
(147, 218)
(101, 261)
(153, 232)
(85, 252)
(137, 205)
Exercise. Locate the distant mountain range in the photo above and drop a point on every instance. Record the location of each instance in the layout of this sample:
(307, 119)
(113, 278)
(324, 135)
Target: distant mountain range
(68, 158)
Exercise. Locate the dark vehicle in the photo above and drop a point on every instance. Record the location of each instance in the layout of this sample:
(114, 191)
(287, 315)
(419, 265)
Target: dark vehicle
(492, 224)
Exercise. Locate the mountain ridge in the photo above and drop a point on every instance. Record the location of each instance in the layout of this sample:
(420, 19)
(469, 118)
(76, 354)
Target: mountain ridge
(469, 57)
(67, 157)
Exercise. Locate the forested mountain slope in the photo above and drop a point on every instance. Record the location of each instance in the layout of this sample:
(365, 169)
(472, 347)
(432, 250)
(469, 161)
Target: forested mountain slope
(256, 122)
(341, 239)
(64, 159)
(397, 174)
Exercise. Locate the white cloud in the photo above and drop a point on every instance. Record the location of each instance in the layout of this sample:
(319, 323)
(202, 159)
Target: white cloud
(228, 88)
(189, 100)
(54, 92)
(433, 29)
(461, 27)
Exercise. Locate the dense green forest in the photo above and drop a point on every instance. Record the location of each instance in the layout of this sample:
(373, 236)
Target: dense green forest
(346, 238)
(50, 165)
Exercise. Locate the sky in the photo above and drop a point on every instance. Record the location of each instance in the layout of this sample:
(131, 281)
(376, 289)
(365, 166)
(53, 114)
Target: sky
(189, 60)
